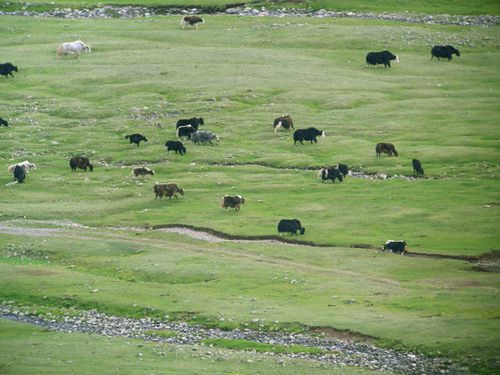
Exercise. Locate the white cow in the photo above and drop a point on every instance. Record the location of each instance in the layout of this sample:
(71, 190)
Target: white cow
(25, 164)
(74, 48)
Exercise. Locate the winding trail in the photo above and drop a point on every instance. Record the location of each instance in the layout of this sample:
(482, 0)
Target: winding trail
(79, 232)
(74, 230)
(212, 235)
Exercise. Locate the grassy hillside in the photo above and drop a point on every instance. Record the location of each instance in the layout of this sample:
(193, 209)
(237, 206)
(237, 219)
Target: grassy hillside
(239, 74)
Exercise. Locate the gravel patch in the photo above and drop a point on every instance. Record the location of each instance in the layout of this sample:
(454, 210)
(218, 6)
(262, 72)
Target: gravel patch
(111, 11)
(18, 227)
(198, 235)
(343, 352)
(443, 19)
(27, 231)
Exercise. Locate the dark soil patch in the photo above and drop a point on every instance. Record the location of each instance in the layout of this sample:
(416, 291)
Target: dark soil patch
(493, 256)
(488, 262)
(342, 334)
(363, 246)
(467, 258)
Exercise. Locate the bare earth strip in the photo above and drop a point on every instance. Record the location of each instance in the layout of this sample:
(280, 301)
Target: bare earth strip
(203, 234)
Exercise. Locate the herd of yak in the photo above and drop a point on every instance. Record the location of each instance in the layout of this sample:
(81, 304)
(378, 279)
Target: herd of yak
(188, 128)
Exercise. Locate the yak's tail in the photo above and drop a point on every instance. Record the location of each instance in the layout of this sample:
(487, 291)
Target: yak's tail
(60, 51)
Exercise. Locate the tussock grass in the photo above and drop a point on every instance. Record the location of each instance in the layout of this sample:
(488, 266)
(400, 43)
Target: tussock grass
(262, 347)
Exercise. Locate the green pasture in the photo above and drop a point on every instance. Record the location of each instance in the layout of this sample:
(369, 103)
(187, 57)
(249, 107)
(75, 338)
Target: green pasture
(239, 74)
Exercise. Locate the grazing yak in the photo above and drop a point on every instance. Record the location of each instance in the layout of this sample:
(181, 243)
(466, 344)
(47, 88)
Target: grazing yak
(3, 122)
(233, 202)
(19, 173)
(167, 190)
(185, 131)
(417, 167)
(72, 48)
(191, 21)
(386, 148)
(330, 174)
(444, 51)
(136, 138)
(284, 122)
(25, 164)
(398, 247)
(194, 122)
(175, 146)
(383, 57)
(203, 137)
(142, 171)
(308, 134)
(343, 168)
(81, 162)
(8, 68)
(290, 226)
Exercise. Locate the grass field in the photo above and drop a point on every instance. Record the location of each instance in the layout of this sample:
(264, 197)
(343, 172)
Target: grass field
(239, 74)
(443, 113)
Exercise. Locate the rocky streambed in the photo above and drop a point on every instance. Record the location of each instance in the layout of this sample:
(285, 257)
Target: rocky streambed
(113, 11)
(338, 352)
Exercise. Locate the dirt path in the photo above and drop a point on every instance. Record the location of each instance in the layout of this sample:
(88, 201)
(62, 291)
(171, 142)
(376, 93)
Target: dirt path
(130, 235)
(78, 231)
